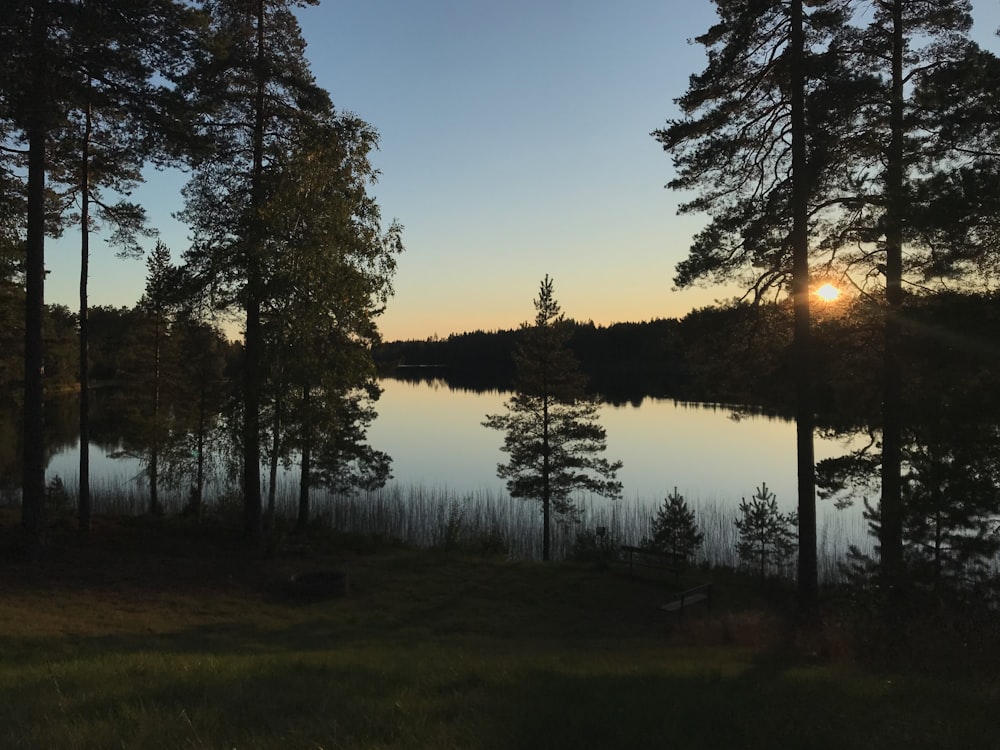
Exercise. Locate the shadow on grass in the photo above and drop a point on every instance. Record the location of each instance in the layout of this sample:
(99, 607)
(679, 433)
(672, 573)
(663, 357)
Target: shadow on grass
(439, 697)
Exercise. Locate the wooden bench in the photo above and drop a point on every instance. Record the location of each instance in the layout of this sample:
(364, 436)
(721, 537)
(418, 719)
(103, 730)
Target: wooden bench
(684, 599)
(653, 558)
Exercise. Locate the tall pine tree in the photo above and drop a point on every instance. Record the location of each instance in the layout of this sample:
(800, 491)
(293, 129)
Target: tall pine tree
(892, 148)
(553, 436)
(758, 140)
(256, 94)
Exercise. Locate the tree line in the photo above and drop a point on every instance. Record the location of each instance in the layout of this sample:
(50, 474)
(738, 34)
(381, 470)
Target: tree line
(622, 362)
(286, 237)
(740, 353)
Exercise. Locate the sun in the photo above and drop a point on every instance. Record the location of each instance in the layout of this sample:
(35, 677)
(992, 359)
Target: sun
(828, 292)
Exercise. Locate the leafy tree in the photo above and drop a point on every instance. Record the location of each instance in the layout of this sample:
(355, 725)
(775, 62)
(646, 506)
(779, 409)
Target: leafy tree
(950, 502)
(948, 447)
(765, 535)
(328, 278)
(11, 317)
(955, 205)
(256, 93)
(552, 434)
(194, 447)
(674, 528)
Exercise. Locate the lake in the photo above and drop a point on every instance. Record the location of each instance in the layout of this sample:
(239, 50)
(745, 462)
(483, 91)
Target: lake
(712, 454)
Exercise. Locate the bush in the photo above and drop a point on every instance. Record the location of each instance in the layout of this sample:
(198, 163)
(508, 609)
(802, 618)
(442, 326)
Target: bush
(591, 546)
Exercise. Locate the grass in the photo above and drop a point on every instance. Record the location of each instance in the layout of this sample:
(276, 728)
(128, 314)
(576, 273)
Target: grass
(491, 521)
(152, 633)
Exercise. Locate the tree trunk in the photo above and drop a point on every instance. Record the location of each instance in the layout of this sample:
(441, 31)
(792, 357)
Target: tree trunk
(275, 448)
(83, 505)
(253, 521)
(154, 451)
(33, 476)
(546, 486)
(891, 516)
(199, 484)
(306, 476)
(807, 568)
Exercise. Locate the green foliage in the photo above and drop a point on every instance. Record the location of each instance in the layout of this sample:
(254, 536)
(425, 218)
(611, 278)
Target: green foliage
(287, 231)
(766, 536)
(674, 528)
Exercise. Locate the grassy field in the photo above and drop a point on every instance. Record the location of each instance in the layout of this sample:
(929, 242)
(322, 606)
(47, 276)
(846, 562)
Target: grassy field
(156, 634)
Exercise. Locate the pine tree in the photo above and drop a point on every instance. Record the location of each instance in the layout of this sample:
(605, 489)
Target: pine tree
(50, 75)
(197, 401)
(256, 93)
(32, 103)
(765, 536)
(674, 528)
(759, 141)
(552, 433)
(158, 304)
(115, 122)
(892, 150)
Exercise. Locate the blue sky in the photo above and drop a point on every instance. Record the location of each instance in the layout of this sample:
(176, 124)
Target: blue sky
(514, 143)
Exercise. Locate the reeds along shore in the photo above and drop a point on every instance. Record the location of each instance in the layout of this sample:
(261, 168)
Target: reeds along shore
(485, 521)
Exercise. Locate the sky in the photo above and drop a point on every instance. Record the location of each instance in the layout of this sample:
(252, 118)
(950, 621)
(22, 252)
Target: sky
(514, 143)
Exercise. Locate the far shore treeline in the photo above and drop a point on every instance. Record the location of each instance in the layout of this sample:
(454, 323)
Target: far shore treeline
(736, 353)
(740, 354)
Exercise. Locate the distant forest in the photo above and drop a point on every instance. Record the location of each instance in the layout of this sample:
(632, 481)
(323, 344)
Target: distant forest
(741, 354)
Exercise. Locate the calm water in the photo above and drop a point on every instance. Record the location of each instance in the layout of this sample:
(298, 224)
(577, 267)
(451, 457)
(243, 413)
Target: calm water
(437, 442)
(435, 437)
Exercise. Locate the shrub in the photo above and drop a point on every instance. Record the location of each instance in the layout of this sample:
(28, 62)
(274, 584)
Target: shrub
(591, 546)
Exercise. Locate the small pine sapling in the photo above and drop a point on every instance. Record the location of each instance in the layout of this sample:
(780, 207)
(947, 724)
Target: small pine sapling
(674, 528)
(766, 537)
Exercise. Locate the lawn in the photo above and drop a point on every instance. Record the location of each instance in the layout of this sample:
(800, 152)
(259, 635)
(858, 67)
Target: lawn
(155, 634)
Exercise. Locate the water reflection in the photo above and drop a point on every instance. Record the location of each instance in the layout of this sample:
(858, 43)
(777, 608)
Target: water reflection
(714, 454)
(711, 453)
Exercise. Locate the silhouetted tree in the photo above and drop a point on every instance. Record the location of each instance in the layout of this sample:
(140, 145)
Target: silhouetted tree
(256, 93)
(891, 151)
(756, 141)
(955, 204)
(552, 434)
(765, 535)
(158, 303)
(322, 302)
(33, 91)
(51, 74)
(116, 119)
(674, 528)
(197, 402)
